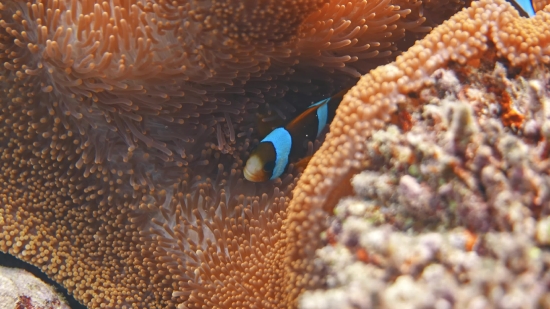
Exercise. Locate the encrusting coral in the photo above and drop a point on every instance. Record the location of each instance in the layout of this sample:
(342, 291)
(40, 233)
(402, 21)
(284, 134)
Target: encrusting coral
(454, 207)
(388, 95)
(124, 127)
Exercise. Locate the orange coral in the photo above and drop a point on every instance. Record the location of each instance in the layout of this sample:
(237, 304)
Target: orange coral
(510, 117)
(369, 105)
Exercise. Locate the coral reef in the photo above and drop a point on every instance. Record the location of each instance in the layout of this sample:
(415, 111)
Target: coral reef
(124, 127)
(382, 97)
(453, 210)
(20, 289)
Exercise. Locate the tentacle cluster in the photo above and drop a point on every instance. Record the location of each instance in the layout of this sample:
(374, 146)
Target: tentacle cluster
(125, 124)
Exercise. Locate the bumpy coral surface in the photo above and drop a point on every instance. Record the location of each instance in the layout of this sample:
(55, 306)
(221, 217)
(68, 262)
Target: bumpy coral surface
(384, 96)
(453, 211)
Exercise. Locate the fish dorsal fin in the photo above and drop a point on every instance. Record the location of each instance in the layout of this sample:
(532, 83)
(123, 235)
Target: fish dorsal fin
(324, 101)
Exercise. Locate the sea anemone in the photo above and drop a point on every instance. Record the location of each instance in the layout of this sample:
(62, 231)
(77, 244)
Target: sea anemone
(124, 127)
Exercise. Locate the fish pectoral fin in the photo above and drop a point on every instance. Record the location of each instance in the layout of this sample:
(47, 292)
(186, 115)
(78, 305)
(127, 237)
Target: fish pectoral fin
(302, 164)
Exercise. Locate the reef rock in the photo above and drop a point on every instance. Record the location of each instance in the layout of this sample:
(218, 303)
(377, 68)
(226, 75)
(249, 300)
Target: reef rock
(20, 289)
(452, 211)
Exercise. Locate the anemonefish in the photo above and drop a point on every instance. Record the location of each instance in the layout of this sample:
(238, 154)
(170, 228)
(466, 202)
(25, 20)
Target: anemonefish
(524, 7)
(286, 144)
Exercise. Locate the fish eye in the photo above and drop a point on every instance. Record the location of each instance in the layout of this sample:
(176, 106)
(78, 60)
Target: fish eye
(269, 166)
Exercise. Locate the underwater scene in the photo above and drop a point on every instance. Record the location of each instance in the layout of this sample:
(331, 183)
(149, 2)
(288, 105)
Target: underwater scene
(302, 154)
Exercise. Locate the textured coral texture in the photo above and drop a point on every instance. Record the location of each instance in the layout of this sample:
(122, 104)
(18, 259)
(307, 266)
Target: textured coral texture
(125, 124)
(492, 27)
(454, 208)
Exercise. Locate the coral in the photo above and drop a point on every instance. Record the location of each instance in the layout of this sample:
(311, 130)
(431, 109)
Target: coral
(20, 289)
(124, 127)
(451, 209)
(429, 269)
(382, 97)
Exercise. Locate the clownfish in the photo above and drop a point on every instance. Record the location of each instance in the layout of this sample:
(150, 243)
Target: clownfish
(286, 144)
(524, 7)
